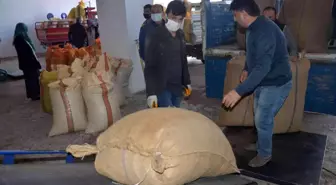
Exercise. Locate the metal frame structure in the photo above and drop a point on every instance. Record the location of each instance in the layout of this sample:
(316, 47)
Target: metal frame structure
(9, 155)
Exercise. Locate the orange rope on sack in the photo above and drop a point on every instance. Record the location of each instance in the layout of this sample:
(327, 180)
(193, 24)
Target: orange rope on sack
(68, 112)
(106, 101)
(107, 68)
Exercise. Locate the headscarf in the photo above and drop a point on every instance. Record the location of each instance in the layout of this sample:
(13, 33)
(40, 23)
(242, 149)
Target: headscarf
(22, 30)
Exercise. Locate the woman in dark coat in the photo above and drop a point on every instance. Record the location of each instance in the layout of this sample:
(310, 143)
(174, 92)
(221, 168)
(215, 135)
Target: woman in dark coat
(28, 62)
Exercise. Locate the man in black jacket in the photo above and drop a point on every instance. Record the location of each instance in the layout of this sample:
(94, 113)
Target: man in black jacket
(166, 70)
(147, 13)
(77, 34)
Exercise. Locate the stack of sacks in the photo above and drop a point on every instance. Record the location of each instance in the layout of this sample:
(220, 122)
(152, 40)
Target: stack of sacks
(65, 56)
(96, 85)
(167, 146)
(289, 118)
(122, 69)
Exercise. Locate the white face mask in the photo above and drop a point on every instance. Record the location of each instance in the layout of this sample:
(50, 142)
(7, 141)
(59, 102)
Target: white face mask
(173, 25)
(156, 17)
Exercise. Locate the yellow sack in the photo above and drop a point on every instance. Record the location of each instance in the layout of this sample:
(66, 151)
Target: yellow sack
(45, 79)
(78, 11)
(188, 30)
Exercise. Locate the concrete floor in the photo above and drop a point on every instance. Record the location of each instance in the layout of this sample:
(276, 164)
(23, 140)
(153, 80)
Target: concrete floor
(25, 126)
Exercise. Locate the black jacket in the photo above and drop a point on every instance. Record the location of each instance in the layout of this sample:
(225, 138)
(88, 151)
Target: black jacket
(157, 59)
(77, 35)
(26, 55)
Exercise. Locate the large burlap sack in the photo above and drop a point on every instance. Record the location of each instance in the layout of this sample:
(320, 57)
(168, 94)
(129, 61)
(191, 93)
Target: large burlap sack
(309, 23)
(101, 101)
(290, 117)
(45, 79)
(241, 38)
(122, 68)
(242, 113)
(166, 146)
(68, 106)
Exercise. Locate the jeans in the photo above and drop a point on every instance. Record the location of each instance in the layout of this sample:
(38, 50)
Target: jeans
(168, 99)
(267, 103)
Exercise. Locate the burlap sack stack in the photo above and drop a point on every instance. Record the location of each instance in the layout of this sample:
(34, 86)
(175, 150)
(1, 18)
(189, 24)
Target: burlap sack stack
(289, 118)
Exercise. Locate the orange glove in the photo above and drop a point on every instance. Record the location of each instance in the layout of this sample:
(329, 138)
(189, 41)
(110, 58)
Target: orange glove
(187, 91)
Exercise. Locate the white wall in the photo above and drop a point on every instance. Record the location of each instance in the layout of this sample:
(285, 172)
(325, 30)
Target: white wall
(119, 26)
(29, 12)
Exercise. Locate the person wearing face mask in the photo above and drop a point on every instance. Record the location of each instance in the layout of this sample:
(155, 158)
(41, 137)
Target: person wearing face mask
(155, 21)
(271, 13)
(166, 70)
(267, 74)
(147, 13)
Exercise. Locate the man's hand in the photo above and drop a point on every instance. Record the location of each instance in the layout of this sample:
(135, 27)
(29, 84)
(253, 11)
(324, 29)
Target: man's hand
(293, 58)
(243, 76)
(152, 101)
(231, 99)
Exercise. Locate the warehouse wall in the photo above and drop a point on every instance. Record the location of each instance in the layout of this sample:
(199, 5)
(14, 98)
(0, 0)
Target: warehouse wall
(29, 12)
(119, 25)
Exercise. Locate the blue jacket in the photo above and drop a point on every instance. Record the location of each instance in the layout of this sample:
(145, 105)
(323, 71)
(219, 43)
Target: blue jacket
(267, 60)
(147, 28)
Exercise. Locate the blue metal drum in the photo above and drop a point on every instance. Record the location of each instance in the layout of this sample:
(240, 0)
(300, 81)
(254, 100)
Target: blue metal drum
(220, 30)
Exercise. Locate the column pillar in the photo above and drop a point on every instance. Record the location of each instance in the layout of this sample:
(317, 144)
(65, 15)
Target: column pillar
(119, 26)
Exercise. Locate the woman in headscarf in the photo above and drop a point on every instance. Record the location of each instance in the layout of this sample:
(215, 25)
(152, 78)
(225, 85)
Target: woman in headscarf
(28, 62)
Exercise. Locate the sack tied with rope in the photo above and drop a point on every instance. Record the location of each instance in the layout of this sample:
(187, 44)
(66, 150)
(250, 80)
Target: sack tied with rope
(68, 106)
(309, 22)
(166, 146)
(101, 101)
(289, 118)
